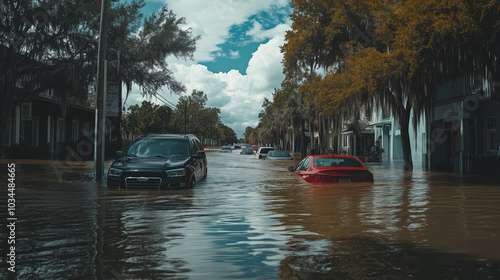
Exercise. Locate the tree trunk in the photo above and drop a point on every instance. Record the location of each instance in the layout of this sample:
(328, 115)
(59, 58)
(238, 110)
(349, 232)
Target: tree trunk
(332, 137)
(404, 123)
(302, 138)
(9, 100)
(311, 133)
(3, 132)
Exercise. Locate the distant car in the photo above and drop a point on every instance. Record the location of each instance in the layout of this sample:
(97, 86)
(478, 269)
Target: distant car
(279, 155)
(226, 149)
(332, 169)
(159, 161)
(255, 147)
(262, 152)
(247, 151)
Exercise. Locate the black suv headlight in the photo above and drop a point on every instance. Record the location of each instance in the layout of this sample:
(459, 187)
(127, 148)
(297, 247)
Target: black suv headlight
(115, 172)
(176, 172)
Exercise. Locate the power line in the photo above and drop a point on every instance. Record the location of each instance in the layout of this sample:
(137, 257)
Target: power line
(164, 100)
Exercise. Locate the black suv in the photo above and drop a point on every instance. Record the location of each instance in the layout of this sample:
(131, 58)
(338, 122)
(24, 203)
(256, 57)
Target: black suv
(159, 161)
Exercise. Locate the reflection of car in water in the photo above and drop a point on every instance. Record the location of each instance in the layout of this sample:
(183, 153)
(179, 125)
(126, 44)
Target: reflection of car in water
(159, 161)
(279, 155)
(332, 169)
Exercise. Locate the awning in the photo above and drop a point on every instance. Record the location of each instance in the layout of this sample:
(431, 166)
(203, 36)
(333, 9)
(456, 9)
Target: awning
(364, 131)
(381, 123)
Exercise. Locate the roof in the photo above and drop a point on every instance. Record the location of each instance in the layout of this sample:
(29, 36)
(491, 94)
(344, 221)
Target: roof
(330, 155)
(156, 135)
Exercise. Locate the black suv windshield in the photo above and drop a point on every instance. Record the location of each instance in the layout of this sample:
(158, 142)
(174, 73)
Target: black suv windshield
(159, 147)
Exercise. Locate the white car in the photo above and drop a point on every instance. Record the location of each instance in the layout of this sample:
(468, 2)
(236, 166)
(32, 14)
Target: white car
(226, 149)
(262, 152)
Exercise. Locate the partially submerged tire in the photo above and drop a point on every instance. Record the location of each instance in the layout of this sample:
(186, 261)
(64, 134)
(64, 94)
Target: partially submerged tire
(192, 182)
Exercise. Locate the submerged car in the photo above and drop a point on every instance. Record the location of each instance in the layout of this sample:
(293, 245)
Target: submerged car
(159, 161)
(279, 155)
(226, 149)
(247, 151)
(332, 169)
(262, 152)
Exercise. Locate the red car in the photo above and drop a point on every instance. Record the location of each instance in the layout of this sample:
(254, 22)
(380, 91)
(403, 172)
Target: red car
(255, 147)
(332, 169)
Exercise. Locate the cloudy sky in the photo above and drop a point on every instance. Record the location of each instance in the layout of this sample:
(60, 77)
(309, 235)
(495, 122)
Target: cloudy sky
(238, 60)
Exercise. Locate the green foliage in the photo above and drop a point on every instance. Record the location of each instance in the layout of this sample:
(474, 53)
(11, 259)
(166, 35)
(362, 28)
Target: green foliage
(376, 152)
(395, 53)
(52, 45)
(148, 118)
(202, 121)
(227, 134)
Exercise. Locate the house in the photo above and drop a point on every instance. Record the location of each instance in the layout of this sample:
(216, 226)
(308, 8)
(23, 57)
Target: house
(464, 123)
(44, 125)
(459, 129)
(357, 135)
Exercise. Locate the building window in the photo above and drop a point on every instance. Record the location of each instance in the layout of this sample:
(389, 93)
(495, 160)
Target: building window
(60, 130)
(344, 140)
(472, 136)
(491, 134)
(35, 131)
(86, 129)
(26, 111)
(447, 125)
(74, 130)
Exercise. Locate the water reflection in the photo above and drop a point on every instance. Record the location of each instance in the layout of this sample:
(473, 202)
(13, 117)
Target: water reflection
(136, 232)
(368, 258)
(254, 219)
(56, 226)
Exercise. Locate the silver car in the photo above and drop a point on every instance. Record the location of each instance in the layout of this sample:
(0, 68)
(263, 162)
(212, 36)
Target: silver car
(279, 155)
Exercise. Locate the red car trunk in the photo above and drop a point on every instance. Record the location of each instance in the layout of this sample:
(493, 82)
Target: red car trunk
(343, 176)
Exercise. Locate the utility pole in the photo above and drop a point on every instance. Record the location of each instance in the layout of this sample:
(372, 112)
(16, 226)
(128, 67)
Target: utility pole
(100, 120)
(120, 140)
(185, 115)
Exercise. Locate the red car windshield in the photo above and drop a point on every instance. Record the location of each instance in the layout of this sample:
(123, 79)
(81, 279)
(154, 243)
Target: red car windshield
(337, 162)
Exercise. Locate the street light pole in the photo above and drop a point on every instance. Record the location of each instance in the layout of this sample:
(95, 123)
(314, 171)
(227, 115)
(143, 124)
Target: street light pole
(100, 121)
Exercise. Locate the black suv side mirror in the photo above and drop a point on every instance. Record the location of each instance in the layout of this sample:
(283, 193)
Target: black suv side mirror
(201, 154)
(118, 154)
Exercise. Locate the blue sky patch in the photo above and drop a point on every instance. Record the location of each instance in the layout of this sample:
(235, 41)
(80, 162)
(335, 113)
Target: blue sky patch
(236, 52)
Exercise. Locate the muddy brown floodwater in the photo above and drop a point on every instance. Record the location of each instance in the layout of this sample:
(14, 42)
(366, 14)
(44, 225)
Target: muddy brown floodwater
(252, 219)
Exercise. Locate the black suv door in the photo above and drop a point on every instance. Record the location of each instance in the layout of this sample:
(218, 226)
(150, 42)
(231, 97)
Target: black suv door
(199, 162)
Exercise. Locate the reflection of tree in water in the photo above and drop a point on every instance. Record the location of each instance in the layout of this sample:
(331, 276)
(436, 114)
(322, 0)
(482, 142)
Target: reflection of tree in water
(366, 258)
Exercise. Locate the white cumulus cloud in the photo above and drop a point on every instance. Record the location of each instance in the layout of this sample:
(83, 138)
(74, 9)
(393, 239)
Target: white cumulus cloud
(238, 96)
(212, 20)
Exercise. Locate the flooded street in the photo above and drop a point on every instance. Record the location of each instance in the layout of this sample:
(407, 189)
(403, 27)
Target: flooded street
(253, 219)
